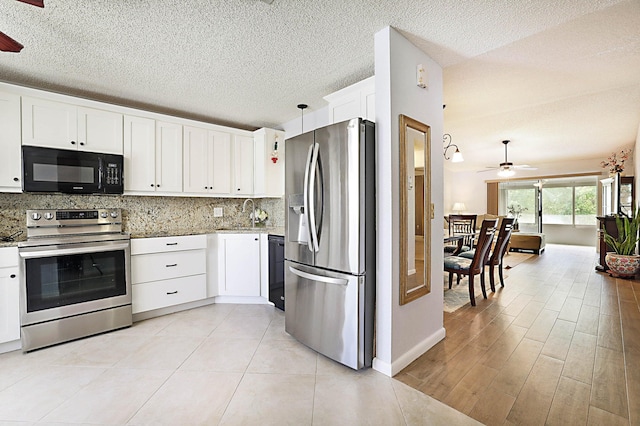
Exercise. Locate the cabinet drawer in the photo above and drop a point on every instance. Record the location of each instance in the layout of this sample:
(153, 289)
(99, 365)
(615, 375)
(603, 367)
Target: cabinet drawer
(168, 244)
(162, 266)
(160, 294)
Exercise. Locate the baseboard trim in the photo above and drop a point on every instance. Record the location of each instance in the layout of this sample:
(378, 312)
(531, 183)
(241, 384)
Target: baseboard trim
(14, 345)
(243, 300)
(408, 357)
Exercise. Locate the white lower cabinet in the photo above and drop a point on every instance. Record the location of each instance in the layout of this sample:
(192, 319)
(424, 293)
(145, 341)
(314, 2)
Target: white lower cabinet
(9, 295)
(234, 267)
(168, 271)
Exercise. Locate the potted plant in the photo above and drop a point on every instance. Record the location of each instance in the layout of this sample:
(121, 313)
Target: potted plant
(515, 210)
(623, 261)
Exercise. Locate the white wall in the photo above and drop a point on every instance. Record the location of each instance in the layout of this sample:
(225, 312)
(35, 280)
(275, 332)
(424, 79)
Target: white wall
(465, 187)
(405, 332)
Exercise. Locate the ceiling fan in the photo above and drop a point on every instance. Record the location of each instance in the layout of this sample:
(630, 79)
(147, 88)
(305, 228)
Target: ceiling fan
(7, 44)
(507, 168)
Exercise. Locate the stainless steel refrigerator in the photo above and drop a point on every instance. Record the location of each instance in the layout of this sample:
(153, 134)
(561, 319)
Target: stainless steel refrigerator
(330, 240)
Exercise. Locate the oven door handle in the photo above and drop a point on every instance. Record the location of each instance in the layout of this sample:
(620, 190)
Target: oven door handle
(53, 251)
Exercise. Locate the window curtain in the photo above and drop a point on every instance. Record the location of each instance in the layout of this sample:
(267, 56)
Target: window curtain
(492, 198)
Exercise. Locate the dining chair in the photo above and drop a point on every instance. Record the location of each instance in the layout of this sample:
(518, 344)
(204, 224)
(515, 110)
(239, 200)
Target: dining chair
(475, 266)
(461, 224)
(497, 254)
(499, 249)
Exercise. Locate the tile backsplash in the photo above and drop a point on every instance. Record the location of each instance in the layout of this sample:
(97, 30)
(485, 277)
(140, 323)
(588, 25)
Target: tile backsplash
(143, 216)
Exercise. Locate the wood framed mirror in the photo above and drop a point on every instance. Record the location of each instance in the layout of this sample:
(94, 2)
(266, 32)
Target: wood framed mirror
(415, 202)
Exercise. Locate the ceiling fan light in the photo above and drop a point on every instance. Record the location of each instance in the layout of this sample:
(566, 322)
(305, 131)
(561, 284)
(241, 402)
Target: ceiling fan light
(506, 173)
(457, 157)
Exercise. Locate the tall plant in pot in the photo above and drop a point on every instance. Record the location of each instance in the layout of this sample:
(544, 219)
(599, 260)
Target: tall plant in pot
(623, 262)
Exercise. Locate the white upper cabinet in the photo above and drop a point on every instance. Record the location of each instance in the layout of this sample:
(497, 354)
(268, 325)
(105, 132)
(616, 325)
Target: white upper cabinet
(243, 153)
(220, 170)
(207, 161)
(196, 160)
(59, 125)
(139, 154)
(168, 157)
(357, 100)
(268, 174)
(152, 156)
(11, 170)
(218, 163)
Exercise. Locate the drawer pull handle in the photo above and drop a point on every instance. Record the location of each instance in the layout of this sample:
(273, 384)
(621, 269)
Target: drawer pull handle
(172, 244)
(13, 275)
(172, 265)
(172, 292)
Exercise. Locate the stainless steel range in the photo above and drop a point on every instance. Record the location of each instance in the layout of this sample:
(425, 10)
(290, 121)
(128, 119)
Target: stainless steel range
(75, 276)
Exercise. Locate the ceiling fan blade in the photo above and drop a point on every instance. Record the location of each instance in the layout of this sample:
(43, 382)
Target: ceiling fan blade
(39, 3)
(7, 44)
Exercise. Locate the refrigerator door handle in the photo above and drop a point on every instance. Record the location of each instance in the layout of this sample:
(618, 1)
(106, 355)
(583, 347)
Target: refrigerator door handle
(305, 196)
(312, 199)
(320, 278)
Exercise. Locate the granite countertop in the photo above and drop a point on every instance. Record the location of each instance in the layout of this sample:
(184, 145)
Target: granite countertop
(274, 230)
(16, 237)
(279, 230)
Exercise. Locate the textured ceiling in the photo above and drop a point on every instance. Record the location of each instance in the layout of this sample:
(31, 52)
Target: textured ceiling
(557, 78)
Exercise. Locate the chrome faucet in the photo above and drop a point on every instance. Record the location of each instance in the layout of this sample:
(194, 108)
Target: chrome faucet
(253, 211)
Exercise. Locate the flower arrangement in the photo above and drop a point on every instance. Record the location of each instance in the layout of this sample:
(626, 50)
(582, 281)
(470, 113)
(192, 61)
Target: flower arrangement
(615, 162)
(515, 210)
(260, 216)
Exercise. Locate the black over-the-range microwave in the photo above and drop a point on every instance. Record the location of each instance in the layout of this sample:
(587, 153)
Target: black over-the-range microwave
(71, 172)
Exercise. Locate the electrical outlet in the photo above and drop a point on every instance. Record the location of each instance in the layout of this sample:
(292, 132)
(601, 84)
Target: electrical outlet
(217, 212)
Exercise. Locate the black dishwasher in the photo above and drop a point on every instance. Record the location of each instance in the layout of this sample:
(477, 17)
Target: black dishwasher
(276, 270)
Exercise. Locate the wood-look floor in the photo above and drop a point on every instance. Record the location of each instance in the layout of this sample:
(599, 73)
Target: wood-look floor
(558, 345)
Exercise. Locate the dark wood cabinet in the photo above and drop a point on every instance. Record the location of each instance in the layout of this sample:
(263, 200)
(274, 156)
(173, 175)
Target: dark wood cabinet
(608, 223)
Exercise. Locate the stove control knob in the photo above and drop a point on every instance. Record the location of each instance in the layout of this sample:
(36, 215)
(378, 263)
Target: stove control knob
(35, 216)
(103, 215)
(48, 215)
(114, 214)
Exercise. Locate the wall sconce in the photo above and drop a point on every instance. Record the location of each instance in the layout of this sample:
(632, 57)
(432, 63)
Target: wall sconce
(459, 208)
(457, 156)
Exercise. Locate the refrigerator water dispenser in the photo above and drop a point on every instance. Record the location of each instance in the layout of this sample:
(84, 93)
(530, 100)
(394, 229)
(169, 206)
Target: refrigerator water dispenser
(297, 230)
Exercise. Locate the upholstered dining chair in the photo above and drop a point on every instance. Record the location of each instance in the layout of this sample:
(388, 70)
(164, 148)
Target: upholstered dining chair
(475, 266)
(461, 224)
(499, 250)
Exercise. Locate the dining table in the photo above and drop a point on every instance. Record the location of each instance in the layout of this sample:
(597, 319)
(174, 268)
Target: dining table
(459, 238)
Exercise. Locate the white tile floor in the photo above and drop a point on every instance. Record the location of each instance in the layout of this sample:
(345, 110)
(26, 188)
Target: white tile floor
(219, 364)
